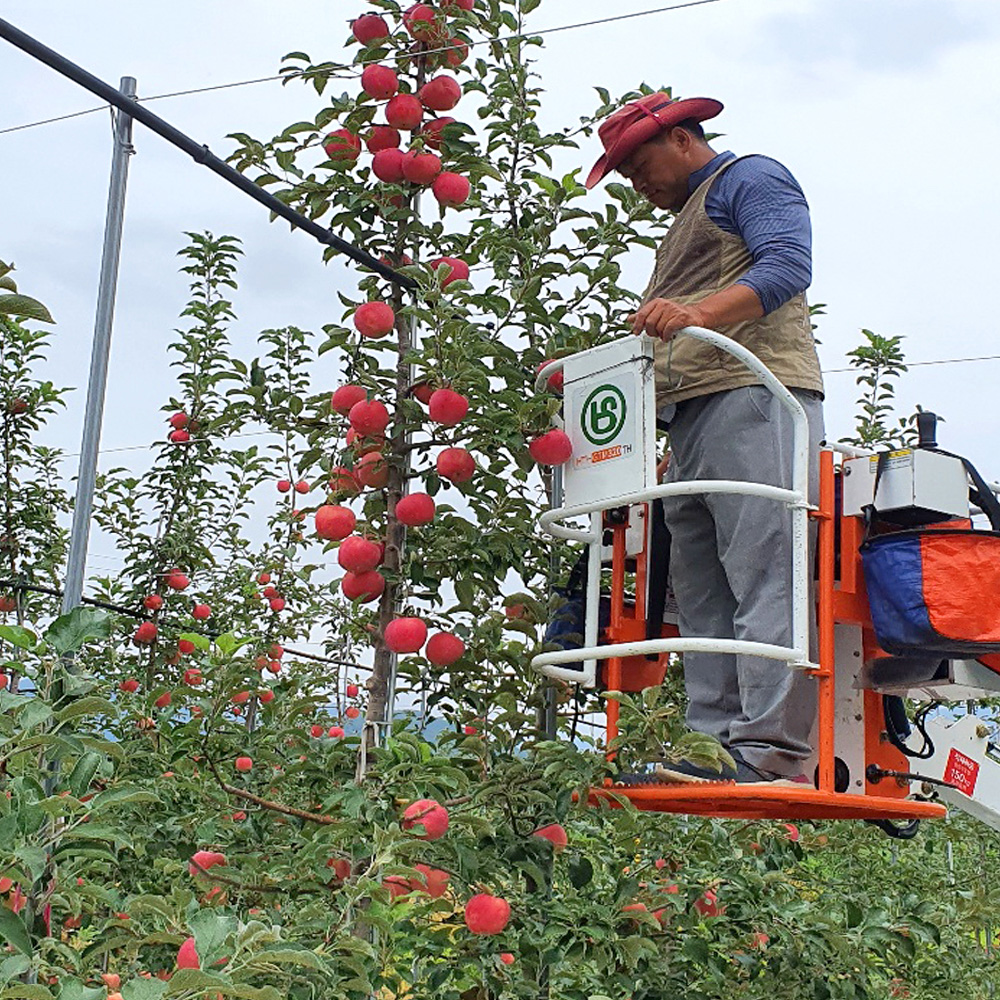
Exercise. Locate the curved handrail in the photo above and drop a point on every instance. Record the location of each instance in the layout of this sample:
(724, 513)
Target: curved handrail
(797, 499)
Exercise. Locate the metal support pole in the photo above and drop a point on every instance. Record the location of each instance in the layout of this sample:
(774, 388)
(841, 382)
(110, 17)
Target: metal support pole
(94, 415)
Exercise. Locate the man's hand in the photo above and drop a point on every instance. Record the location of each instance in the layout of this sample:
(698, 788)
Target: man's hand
(663, 318)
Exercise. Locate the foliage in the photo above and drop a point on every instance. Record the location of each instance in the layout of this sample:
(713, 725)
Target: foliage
(120, 764)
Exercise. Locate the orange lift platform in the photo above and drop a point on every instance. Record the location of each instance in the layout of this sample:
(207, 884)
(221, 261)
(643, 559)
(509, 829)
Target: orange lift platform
(860, 768)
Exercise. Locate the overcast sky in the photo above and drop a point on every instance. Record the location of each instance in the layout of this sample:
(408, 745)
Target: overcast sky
(885, 110)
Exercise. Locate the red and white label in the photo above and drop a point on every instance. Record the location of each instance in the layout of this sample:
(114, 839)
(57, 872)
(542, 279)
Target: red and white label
(961, 772)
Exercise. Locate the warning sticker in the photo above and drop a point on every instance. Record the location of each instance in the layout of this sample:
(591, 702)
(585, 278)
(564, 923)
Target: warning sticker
(896, 460)
(961, 771)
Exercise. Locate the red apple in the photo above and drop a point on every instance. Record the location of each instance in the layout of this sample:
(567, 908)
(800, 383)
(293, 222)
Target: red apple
(379, 82)
(316, 731)
(415, 509)
(244, 764)
(708, 904)
(176, 580)
(382, 137)
(443, 649)
(334, 523)
(352, 712)
(345, 397)
(369, 28)
(441, 93)
(275, 652)
(457, 52)
(447, 407)
(342, 146)
(363, 587)
(359, 555)
(201, 612)
(185, 646)
(301, 487)
(7, 603)
(192, 677)
(270, 592)
(792, 832)
(145, 634)
(421, 168)
(111, 979)
(469, 730)
(179, 437)
(266, 696)
(374, 319)
(130, 686)
(555, 833)
(240, 698)
(456, 465)
(204, 860)
(406, 635)
(335, 732)
(342, 481)
(369, 417)
(283, 485)
(427, 818)
(178, 420)
(459, 270)
(486, 914)
(451, 189)
(422, 391)
(153, 602)
(507, 958)
(276, 604)
(404, 112)
(434, 882)
(554, 382)
(187, 955)
(363, 444)
(352, 690)
(387, 165)
(551, 448)
(164, 700)
(432, 132)
(372, 470)
(421, 21)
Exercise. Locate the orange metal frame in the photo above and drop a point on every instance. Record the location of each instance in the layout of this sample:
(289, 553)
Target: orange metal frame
(845, 602)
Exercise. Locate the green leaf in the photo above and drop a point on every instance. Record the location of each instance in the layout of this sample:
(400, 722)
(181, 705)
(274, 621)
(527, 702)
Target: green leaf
(25, 992)
(87, 706)
(24, 307)
(69, 632)
(23, 638)
(143, 989)
(119, 796)
(13, 931)
(14, 965)
(212, 931)
(581, 871)
(290, 956)
(33, 712)
(697, 950)
(75, 989)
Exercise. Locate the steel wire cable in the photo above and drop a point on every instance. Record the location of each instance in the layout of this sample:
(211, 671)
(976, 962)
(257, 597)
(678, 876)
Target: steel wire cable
(434, 51)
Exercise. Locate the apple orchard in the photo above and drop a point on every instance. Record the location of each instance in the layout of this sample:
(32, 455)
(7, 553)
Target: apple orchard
(197, 805)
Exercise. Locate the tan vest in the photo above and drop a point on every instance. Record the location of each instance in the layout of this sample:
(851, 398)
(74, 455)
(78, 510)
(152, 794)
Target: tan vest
(696, 259)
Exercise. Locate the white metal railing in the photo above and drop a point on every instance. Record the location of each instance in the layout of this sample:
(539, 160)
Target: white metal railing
(797, 499)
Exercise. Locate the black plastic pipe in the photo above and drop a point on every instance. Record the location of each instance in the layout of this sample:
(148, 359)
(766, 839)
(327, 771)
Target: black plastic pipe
(199, 153)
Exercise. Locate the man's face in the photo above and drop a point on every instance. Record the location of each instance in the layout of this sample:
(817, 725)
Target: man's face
(659, 170)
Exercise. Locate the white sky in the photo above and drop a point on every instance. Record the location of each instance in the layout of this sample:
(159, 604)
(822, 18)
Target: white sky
(885, 110)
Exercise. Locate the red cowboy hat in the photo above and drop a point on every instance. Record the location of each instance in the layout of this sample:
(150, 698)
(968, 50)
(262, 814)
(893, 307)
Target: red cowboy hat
(632, 125)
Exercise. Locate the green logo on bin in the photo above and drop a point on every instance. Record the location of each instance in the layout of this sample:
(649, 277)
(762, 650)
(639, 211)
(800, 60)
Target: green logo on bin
(603, 414)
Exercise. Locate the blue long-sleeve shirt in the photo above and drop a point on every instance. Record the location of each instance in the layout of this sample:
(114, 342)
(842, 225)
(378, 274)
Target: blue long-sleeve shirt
(759, 200)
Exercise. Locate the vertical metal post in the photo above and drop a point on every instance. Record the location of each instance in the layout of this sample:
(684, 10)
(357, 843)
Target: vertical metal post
(94, 415)
(550, 706)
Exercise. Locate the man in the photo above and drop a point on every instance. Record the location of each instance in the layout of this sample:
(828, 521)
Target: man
(737, 259)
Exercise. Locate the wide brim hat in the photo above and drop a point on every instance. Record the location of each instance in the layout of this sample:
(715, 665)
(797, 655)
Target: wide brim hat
(638, 122)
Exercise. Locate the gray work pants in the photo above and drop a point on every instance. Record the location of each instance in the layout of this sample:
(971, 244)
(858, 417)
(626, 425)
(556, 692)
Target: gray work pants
(730, 564)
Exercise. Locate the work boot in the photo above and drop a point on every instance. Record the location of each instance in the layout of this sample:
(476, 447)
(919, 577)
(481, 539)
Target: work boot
(745, 773)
